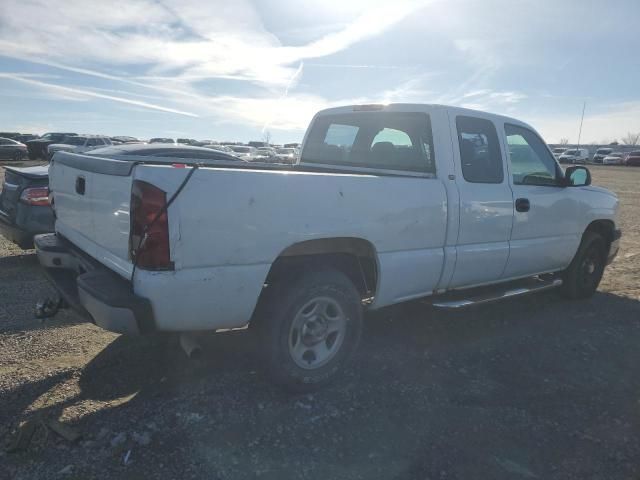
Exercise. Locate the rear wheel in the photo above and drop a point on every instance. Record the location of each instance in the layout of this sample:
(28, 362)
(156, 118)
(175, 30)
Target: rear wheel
(309, 329)
(582, 277)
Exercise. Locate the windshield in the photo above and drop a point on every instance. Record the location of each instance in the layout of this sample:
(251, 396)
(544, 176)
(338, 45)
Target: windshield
(558, 150)
(286, 151)
(604, 150)
(572, 152)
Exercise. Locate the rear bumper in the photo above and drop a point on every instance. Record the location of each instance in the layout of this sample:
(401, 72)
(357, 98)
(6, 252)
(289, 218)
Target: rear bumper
(14, 233)
(29, 221)
(92, 290)
(615, 246)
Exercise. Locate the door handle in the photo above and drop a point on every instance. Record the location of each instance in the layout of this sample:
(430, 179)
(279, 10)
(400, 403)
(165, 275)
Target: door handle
(80, 185)
(522, 205)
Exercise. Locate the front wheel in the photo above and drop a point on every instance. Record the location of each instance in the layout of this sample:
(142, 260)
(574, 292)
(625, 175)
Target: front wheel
(582, 277)
(310, 328)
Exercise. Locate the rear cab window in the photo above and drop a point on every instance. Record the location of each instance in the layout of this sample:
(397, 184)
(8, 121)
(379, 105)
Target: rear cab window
(392, 141)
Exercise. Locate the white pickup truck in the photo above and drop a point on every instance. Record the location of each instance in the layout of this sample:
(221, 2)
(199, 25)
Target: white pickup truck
(386, 204)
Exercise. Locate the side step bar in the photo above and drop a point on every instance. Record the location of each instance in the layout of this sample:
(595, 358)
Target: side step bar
(495, 295)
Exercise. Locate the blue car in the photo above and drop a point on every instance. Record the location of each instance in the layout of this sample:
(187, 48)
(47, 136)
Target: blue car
(24, 204)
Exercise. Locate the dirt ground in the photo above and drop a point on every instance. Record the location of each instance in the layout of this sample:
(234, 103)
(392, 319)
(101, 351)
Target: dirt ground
(538, 387)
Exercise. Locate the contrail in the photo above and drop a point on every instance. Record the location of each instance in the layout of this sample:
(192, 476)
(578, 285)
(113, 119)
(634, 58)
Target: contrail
(89, 93)
(291, 81)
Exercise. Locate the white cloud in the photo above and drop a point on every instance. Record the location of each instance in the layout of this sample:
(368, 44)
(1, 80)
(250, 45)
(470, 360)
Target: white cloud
(178, 43)
(188, 38)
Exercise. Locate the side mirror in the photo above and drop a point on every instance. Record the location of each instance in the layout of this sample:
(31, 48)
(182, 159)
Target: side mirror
(577, 176)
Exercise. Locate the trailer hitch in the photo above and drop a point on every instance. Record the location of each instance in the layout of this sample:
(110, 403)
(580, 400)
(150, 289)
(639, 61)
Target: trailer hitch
(49, 307)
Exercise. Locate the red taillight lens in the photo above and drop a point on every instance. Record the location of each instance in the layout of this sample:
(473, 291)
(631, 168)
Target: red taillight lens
(37, 196)
(149, 238)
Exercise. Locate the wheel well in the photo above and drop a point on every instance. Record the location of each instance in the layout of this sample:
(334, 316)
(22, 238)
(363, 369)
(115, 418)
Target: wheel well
(354, 257)
(605, 228)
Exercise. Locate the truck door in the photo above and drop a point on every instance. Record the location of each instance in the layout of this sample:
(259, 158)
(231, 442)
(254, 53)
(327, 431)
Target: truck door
(486, 202)
(546, 229)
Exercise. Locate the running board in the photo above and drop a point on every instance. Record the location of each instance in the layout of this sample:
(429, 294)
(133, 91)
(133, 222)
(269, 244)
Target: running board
(496, 295)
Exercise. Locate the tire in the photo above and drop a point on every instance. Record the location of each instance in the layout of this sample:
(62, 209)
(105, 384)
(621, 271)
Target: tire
(582, 277)
(309, 328)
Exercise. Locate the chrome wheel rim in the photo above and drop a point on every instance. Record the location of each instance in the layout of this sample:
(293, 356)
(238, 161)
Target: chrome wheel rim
(317, 333)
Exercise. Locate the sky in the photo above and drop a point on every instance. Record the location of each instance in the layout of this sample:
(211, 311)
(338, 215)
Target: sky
(243, 70)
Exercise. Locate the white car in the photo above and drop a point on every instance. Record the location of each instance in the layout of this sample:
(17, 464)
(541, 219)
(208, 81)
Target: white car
(245, 152)
(574, 155)
(614, 158)
(598, 157)
(559, 151)
(79, 144)
(287, 155)
(387, 203)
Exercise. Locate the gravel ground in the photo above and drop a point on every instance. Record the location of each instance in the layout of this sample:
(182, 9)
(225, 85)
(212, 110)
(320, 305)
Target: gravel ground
(538, 387)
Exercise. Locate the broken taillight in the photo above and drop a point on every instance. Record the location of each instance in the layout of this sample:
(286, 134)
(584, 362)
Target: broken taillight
(36, 196)
(149, 237)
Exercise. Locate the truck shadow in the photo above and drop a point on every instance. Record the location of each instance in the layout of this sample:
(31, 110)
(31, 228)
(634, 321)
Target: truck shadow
(482, 393)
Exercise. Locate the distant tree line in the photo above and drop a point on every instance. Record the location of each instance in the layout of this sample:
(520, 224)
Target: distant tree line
(629, 139)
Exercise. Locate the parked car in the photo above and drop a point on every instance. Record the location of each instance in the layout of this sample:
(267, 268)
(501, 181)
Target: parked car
(387, 204)
(266, 151)
(286, 155)
(11, 135)
(24, 204)
(12, 149)
(25, 137)
(633, 159)
(38, 148)
(119, 140)
(579, 155)
(190, 141)
(244, 151)
(166, 151)
(600, 154)
(559, 151)
(221, 148)
(162, 140)
(614, 158)
(79, 144)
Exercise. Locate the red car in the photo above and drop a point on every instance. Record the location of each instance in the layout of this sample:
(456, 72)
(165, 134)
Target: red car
(633, 159)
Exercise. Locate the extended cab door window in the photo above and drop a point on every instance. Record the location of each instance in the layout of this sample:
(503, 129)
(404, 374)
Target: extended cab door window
(393, 141)
(530, 160)
(479, 150)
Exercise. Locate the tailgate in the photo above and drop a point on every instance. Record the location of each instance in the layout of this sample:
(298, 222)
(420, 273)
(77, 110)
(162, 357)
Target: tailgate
(15, 181)
(91, 198)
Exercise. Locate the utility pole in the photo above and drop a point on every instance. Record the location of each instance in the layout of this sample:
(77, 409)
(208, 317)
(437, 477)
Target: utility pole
(584, 105)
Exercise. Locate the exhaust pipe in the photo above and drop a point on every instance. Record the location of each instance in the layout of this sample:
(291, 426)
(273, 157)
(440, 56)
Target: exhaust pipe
(190, 345)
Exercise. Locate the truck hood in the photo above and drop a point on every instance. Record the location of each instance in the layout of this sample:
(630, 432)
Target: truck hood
(40, 171)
